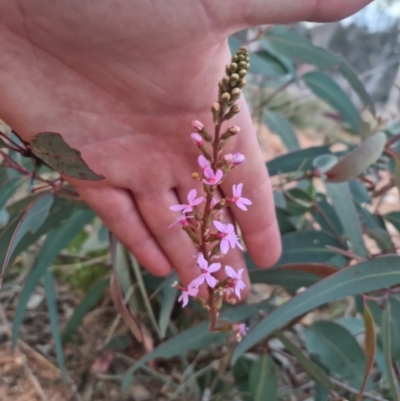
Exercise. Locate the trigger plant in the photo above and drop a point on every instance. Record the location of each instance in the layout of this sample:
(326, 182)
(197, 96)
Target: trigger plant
(201, 216)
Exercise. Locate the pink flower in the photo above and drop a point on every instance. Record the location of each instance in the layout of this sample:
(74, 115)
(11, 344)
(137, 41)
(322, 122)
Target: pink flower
(234, 160)
(227, 235)
(192, 202)
(197, 125)
(211, 178)
(237, 197)
(203, 162)
(241, 330)
(197, 139)
(206, 271)
(237, 282)
(190, 291)
(182, 220)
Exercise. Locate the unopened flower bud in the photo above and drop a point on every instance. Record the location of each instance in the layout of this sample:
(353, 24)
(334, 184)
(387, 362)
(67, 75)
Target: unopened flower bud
(248, 66)
(241, 57)
(225, 97)
(226, 79)
(197, 139)
(197, 125)
(233, 67)
(216, 108)
(242, 65)
(233, 160)
(241, 83)
(242, 73)
(234, 77)
(234, 129)
(232, 111)
(235, 94)
(195, 176)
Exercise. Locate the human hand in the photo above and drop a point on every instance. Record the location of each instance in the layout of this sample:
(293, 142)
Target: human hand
(121, 81)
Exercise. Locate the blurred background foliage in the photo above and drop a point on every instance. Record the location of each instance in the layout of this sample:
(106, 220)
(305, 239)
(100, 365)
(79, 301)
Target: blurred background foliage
(325, 321)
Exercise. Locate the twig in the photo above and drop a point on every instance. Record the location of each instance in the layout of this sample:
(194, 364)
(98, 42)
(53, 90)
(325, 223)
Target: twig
(352, 390)
(343, 252)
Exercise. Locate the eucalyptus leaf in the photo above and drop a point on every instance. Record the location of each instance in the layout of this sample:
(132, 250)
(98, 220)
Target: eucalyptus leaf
(282, 127)
(327, 89)
(363, 277)
(263, 379)
(56, 153)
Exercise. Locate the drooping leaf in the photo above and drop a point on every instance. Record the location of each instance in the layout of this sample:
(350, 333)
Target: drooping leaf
(337, 350)
(315, 371)
(53, 314)
(369, 348)
(326, 216)
(8, 190)
(294, 46)
(263, 379)
(197, 337)
(366, 276)
(359, 192)
(297, 161)
(55, 242)
(387, 354)
(91, 299)
(346, 211)
(168, 298)
(393, 218)
(327, 89)
(120, 272)
(358, 160)
(281, 126)
(32, 219)
(56, 153)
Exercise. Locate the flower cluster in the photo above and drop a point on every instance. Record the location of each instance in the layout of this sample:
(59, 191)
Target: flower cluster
(202, 216)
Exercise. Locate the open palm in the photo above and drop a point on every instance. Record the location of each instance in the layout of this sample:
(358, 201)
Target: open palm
(121, 80)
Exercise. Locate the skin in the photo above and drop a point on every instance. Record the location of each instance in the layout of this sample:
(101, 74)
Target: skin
(121, 80)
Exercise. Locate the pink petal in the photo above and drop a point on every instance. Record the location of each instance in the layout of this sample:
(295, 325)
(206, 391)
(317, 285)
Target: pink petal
(203, 162)
(230, 228)
(211, 281)
(246, 201)
(230, 272)
(240, 274)
(193, 291)
(239, 189)
(191, 195)
(201, 261)
(208, 172)
(214, 267)
(240, 205)
(219, 226)
(234, 190)
(178, 208)
(225, 246)
(184, 298)
(218, 176)
(237, 291)
(197, 201)
(197, 282)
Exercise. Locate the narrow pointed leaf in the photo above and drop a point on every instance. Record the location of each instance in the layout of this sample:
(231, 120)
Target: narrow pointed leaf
(327, 89)
(358, 160)
(366, 276)
(315, 371)
(168, 298)
(55, 242)
(346, 211)
(8, 190)
(53, 314)
(263, 379)
(282, 127)
(197, 337)
(32, 219)
(386, 344)
(369, 347)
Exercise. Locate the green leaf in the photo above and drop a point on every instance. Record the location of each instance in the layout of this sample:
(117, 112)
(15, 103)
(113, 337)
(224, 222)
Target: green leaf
(168, 297)
(263, 379)
(294, 46)
(337, 350)
(55, 242)
(393, 218)
(367, 276)
(281, 126)
(346, 211)
(358, 160)
(324, 162)
(327, 89)
(307, 246)
(316, 372)
(8, 190)
(195, 338)
(32, 219)
(386, 344)
(359, 192)
(51, 148)
(53, 314)
(285, 225)
(91, 299)
(326, 215)
(298, 161)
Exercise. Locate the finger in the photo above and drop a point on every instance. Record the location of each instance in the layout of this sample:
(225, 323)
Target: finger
(258, 12)
(174, 242)
(258, 224)
(117, 210)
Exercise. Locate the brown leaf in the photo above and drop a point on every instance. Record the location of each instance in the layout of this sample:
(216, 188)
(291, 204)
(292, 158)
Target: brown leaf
(320, 269)
(51, 148)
